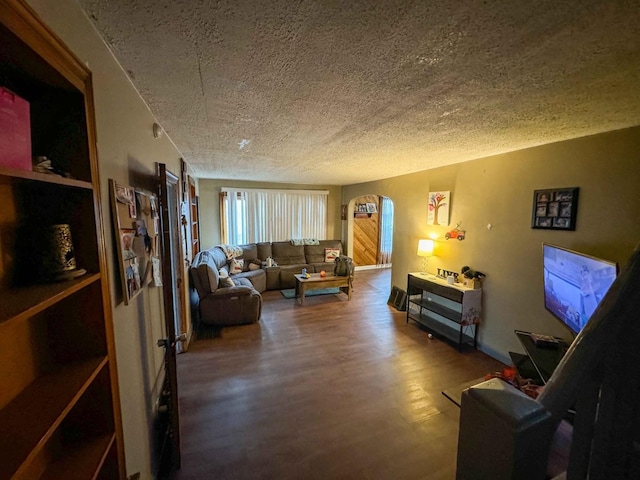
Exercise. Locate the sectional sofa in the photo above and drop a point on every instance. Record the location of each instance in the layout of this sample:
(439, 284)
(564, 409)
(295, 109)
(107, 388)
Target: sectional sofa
(228, 298)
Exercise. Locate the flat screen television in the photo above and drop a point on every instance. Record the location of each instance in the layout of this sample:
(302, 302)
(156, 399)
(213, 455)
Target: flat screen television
(574, 284)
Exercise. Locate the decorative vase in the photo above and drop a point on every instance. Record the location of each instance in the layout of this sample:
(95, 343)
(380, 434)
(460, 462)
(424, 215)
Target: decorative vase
(59, 260)
(59, 255)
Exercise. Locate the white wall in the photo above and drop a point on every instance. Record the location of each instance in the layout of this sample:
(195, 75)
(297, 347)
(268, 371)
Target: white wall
(127, 152)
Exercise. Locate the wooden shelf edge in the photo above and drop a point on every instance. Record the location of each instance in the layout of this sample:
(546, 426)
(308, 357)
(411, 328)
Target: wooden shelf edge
(43, 177)
(83, 461)
(25, 302)
(30, 419)
(448, 313)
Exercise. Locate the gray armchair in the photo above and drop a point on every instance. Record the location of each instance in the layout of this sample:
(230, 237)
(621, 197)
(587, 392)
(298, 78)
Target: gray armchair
(222, 305)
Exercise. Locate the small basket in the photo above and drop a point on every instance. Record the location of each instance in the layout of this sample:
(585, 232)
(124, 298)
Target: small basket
(471, 282)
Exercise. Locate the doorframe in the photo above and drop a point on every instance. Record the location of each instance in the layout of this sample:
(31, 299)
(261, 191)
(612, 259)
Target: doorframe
(170, 393)
(350, 209)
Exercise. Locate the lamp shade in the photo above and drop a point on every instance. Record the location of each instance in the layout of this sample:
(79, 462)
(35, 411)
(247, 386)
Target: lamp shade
(425, 248)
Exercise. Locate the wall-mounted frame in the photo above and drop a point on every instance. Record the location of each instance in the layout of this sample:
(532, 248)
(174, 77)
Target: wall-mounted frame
(136, 223)
(438, 208)
(555, 208)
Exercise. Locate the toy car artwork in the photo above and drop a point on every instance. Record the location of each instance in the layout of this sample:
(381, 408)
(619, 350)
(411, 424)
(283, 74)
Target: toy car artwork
(455, 233)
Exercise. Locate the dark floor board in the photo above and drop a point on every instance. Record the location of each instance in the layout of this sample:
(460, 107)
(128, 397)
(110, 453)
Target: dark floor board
(329, 390)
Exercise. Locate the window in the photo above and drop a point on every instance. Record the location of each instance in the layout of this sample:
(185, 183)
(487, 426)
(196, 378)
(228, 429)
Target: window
(386, 230)
(251, 215)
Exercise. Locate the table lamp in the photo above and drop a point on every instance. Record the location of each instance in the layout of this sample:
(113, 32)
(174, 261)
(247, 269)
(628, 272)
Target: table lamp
(425, 250)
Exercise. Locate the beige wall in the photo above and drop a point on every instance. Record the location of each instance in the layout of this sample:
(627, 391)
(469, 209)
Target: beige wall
(499, 191)
(127, 153)
(209, 191)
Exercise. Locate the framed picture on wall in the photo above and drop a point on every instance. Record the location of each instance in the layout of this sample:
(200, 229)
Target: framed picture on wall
(555, 209)
(438, 209)
(138, 235)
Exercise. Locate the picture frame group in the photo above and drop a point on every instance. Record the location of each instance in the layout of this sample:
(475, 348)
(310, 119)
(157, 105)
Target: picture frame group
(555, 209)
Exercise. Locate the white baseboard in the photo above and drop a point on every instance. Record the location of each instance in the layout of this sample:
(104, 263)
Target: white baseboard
(372, 267)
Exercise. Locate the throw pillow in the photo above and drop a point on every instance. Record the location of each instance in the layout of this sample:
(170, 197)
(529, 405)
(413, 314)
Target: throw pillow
(231, 251)
(225, 280)
(330, 254)
(254, 264)
(236, 266)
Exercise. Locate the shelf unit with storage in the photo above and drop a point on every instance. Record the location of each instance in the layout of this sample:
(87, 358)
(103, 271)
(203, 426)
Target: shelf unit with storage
(59, 401)
(448, 310)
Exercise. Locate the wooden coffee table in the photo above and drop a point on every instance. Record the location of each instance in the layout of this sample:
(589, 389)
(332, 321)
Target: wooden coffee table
(315, 281)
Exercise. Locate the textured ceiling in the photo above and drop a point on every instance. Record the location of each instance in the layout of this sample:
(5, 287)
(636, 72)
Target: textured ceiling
(342, 92)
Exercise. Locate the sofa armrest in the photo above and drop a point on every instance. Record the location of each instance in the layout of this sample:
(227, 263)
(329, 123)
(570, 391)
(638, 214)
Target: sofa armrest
(231, 306)
(228, 292)
(504, 434)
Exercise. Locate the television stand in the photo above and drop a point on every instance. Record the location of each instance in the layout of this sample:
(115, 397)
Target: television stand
(545, 358)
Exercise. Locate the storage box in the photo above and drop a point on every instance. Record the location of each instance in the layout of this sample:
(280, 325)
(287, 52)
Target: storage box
(471, 282)
(15, 131)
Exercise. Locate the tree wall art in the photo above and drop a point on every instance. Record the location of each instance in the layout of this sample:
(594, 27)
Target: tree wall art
(438, 208)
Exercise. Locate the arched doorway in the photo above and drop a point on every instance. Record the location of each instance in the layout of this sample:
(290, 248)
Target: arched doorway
(370, 231)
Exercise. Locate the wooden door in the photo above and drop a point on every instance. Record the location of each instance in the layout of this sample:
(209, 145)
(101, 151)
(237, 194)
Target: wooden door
(366, 234)
(173, 312)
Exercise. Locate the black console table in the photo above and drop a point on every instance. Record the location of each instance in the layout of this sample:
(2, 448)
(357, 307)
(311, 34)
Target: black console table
(544, 359)
(449, 310)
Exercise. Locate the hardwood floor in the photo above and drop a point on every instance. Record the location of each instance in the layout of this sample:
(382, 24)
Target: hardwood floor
(334, 389)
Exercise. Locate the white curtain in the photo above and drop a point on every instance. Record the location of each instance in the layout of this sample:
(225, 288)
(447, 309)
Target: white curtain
(276, 215)
(236, 218)
(386, 230)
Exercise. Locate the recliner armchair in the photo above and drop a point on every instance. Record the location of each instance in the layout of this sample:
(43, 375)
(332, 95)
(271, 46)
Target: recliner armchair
(223, 306)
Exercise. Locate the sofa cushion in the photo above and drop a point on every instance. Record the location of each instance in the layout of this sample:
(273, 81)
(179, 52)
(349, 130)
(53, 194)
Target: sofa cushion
(225, 280)
(287, 272)
(249, 251)
(316, 253)
(242, 282)
(264, 250)
(206, 276)
(318, 267)
(258, 278)
(253, 264)
(286, 254)
(219, 258)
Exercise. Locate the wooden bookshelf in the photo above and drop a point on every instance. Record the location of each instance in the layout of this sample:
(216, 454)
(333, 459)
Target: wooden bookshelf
(59, 400)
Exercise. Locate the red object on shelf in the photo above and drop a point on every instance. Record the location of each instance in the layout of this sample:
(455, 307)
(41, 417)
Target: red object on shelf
(15, 131)
(509, 373)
